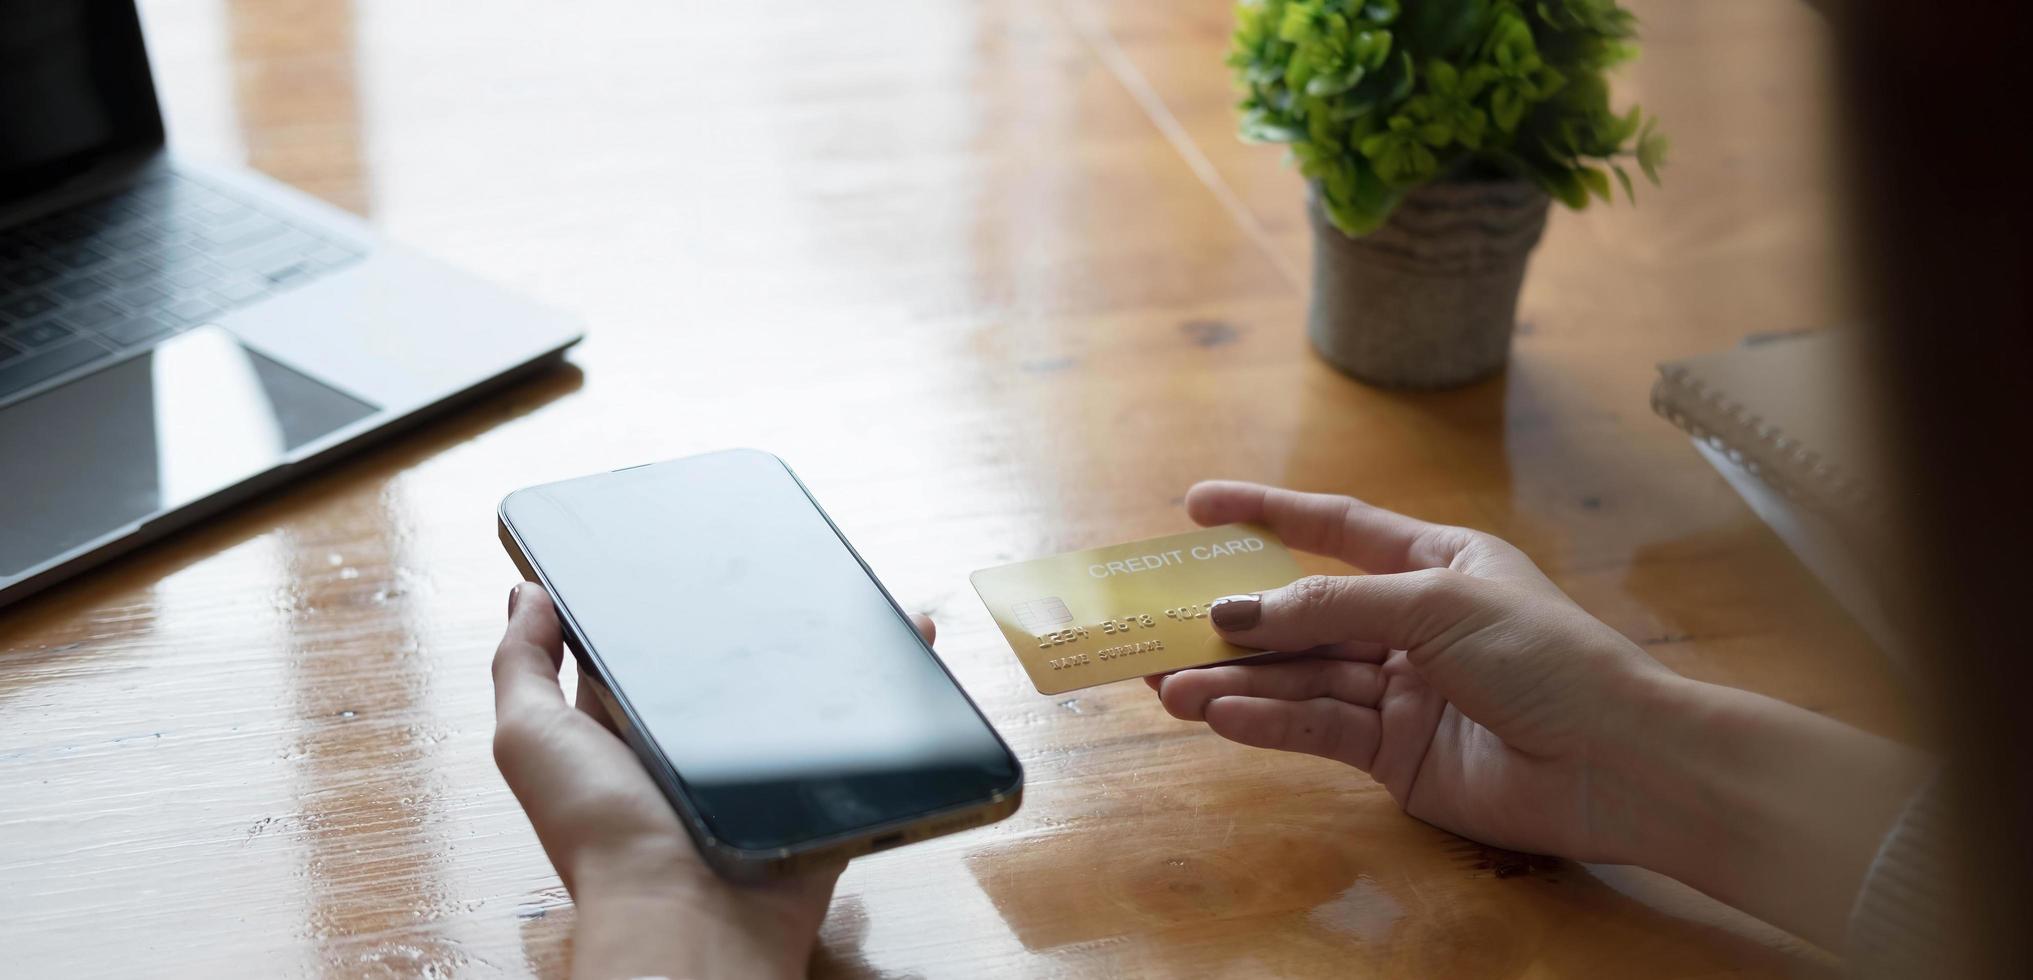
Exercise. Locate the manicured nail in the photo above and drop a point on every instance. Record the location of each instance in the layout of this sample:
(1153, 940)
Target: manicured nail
(1236, 612)
(514, 594)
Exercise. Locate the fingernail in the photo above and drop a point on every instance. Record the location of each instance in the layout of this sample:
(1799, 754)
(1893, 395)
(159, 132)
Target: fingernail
(514, 594)
(1236, 612)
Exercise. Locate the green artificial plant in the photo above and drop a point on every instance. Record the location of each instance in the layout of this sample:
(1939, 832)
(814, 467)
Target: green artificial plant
(1375, 97)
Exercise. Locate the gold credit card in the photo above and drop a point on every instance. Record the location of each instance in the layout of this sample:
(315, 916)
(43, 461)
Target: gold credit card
(1107, 614)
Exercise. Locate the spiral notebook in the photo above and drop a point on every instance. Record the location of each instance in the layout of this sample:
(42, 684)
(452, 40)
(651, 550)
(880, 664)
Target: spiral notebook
(1780, 417)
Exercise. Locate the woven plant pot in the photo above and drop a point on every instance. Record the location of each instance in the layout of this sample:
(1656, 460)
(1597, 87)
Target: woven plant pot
(1429, 299)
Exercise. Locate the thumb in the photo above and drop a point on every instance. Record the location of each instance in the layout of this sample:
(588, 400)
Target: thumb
(1402, 611)
(526, 663)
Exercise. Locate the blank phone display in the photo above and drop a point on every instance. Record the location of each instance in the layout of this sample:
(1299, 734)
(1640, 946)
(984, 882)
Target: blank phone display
(790, 697)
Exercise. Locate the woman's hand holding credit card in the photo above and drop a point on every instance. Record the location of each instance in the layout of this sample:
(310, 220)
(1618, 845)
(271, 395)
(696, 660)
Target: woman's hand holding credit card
(1128, 610)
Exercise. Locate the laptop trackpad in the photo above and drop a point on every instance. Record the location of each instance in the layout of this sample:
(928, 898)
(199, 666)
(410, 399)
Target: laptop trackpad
(196, 415)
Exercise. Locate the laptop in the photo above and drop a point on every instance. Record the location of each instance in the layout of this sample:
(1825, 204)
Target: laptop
(175, 338)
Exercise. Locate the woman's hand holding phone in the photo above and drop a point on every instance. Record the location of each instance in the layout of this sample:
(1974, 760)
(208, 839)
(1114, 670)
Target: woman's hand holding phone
(647, 904)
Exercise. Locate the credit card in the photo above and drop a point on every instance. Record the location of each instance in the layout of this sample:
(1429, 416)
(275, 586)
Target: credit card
(1108, 614)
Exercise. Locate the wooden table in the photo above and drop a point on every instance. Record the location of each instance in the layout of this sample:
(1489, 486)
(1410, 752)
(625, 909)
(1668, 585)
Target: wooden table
(998, 280)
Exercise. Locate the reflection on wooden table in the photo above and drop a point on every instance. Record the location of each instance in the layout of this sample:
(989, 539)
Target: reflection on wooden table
(998, 280)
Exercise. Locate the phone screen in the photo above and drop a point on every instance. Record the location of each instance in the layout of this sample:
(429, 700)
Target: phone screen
(791, 698)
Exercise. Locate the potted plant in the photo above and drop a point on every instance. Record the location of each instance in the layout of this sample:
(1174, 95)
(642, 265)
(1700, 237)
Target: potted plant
(1432, 134)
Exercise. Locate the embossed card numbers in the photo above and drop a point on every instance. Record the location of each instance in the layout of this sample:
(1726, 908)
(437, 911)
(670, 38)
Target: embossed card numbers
(1107, 614)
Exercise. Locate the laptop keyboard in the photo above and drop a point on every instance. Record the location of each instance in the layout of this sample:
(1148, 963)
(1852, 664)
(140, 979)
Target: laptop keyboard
(126, 271)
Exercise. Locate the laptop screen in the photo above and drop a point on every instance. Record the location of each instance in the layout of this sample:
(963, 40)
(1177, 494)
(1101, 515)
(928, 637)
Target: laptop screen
(74, 89)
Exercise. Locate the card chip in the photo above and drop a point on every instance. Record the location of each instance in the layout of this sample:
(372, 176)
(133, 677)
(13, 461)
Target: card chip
(1039, 615)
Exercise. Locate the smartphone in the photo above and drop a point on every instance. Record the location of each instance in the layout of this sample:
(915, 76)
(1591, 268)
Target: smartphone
(769, 684)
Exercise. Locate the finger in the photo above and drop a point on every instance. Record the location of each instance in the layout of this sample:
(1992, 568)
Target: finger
(1187, 693)
(1391, 612)
(926, 628)
(587, 699)
(1370, 538)
(1356, 650)
(526, 661)
(1157, 680)
(1372, 653)
(1323, 726)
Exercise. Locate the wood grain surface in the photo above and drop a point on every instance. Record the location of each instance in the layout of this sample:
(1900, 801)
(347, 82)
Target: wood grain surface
(996, 277)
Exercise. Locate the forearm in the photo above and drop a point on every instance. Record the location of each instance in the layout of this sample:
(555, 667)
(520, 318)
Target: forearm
(639, 936)
(636, 919)
(1771, 808)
